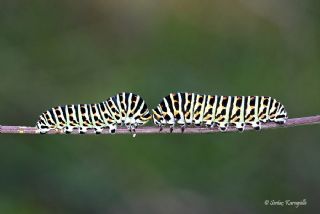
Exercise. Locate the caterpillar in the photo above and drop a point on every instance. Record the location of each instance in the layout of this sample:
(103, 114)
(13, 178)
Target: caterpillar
(187, 109)
(123, 109)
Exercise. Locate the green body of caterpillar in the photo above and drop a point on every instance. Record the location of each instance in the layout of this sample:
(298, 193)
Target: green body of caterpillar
(122, 109)
(223, 111)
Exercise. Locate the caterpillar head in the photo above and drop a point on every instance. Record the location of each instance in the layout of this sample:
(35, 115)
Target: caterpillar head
(157, 116)
(39, 125)
(281, 115)
(42, 126)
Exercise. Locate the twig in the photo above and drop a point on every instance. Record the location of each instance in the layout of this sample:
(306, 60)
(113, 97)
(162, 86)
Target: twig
(155, 130)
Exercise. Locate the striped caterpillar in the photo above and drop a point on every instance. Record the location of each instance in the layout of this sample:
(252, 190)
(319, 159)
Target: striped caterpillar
(206, 110)
(122, 109)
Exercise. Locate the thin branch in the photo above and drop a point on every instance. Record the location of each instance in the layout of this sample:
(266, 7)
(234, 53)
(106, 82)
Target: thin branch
(155, 130)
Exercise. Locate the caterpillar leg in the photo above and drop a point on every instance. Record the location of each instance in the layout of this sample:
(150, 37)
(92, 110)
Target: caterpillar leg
(171, 125)
(183, 127)
(162, 123)
(44, 130)
(68, 129)
(171, 128)
(240, 126)
(83, 130)
(223, 126)
(209, 124)
(281, 122)
(112, 129)
(132, 129)
(41, 128)
(98, 130)
(256, 125)
(129, 123)
(196, 123)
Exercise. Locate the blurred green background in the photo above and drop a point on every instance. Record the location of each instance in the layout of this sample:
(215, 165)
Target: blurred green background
(63, 52)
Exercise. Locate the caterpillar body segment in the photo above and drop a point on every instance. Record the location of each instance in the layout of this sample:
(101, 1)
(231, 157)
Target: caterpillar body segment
(198, 109)
(123, 109)
(213, 110)
(188, 107)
